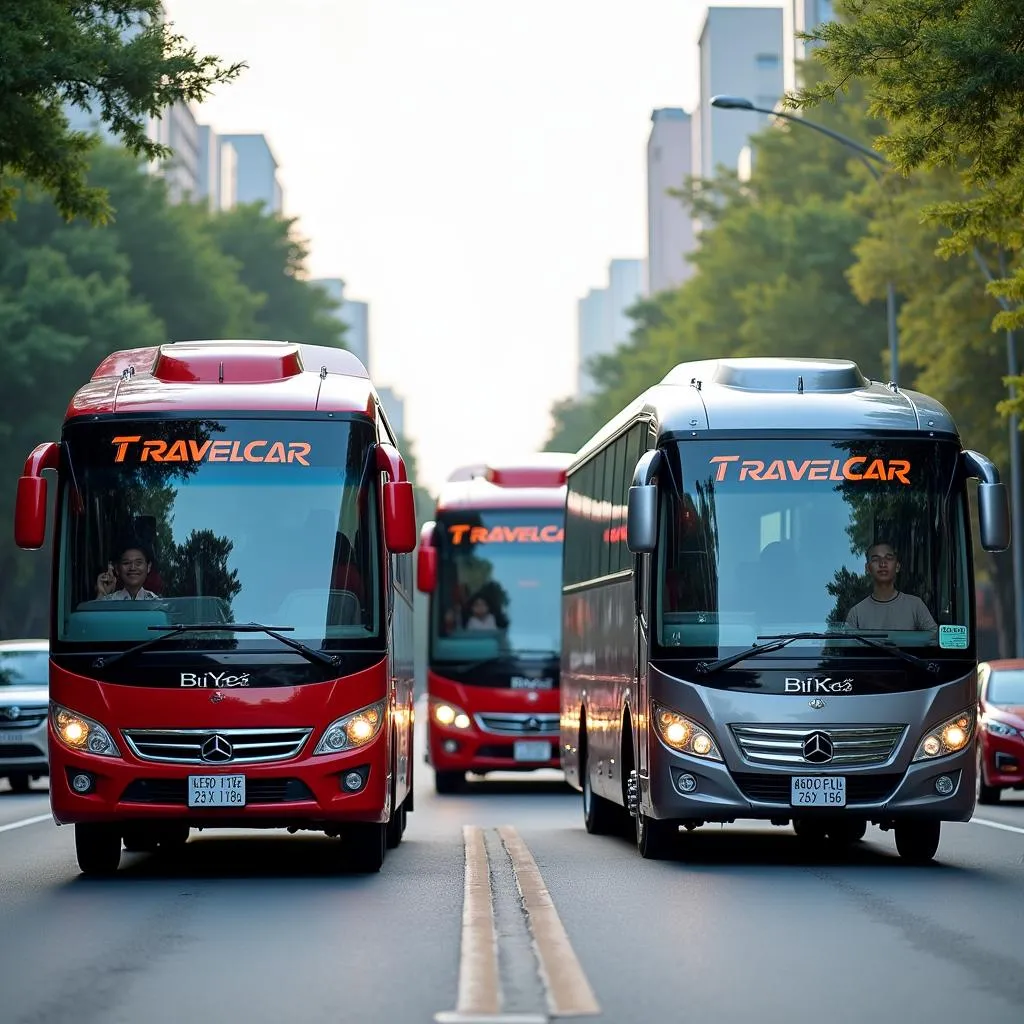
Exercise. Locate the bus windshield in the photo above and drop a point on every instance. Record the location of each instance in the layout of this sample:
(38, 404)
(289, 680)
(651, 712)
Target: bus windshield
(217, 520)
(499, 586)
(775, 537)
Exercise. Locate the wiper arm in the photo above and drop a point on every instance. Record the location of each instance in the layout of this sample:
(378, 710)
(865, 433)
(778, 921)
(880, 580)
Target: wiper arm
(167, 632)
(777, 642)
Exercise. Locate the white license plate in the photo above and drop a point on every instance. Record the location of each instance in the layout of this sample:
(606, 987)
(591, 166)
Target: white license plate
(12, 737)
(818, 791)
(216, 791)
(531, 750)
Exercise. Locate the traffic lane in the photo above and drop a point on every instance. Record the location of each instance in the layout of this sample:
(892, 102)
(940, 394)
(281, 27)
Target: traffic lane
(16, 807)
(247, 926)
(752, 926)
(1009, 810)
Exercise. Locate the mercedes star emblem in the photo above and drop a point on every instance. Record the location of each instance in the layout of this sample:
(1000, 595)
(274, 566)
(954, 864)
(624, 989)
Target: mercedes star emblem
(217, 750)
(818, 748)
(533, 724)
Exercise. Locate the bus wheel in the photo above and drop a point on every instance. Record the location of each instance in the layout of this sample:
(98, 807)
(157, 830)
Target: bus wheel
(918, 841)
(395, 827)
(98, 848)
(447, 783)
(656, 840)
(363, 846)
(599, 814)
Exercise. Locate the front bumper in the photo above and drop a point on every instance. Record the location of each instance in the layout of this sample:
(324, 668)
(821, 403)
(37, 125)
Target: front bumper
(23, 750)
(479, 751)
(877, 794)
(304, 792)
(1003, 757)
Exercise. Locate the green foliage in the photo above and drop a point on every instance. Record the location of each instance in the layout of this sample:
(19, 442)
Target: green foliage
(115, 57)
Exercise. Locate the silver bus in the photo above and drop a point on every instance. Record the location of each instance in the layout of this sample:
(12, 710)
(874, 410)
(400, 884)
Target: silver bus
(768, 608)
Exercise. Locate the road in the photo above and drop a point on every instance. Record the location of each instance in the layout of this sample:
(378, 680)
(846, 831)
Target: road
(749, 926)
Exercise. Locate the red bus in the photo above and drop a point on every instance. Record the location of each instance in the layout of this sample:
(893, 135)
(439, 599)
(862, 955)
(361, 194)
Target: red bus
(492, 565)
(231, 609)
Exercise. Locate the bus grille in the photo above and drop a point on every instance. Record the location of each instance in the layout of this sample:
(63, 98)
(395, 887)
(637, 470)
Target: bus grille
(175, 791)
(776, 789)
(185, 746)
(519, 724)
(782, 746)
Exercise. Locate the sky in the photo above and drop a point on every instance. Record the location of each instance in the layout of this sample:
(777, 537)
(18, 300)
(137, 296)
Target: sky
(468, 167)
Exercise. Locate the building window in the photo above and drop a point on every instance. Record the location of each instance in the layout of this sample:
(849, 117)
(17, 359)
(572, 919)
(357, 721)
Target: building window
(767, 61)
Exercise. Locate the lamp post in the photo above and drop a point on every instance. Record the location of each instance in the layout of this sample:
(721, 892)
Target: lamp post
(866, 156)
(869, 158)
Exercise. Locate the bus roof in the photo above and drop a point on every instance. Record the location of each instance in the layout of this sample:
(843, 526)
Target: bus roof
(227, 375)
(780, 394)
(534, 481)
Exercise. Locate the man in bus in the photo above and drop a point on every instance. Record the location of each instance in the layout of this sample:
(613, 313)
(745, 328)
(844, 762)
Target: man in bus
(886, 607)
(133, 567)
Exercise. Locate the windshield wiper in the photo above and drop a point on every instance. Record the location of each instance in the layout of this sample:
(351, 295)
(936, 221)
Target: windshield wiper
(777, 642)
(167, 632)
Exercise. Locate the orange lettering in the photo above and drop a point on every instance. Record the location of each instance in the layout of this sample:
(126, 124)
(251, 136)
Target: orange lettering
(199, 450)
(551, 534)
(478, 535)
(235, 455)
(276, 453)
(298, 450)
(219, 451)
(848, 467)
(876, 471)
(797, 474)
(900, 470)
(722, 461)
(819, 469)
(776, 471)
(154, 449)
(457, 532)
(834, 473)
(249, 451)
(122, 445)
(752, 468)
(178, 452)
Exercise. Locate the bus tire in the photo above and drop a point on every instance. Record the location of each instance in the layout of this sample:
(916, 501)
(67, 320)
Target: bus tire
(656, 840)
(599, 815)
(98, 847)
(363, 846)
(396, 825)
(447, 783)
(918, 841)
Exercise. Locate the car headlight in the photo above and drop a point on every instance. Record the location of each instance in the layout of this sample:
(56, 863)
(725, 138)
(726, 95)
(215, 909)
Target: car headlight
(80, 733)
(684, 734)
(1000, 729)
(451, 716)
(352, 730)
(947, 738)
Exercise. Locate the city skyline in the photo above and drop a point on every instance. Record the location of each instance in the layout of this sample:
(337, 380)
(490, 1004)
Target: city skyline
(470, 219)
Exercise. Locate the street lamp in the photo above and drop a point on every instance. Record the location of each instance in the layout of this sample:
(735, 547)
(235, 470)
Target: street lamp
(866, 155)
(1017, 504)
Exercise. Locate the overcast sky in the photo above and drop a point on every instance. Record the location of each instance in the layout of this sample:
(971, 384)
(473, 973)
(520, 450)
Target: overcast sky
(468, 167)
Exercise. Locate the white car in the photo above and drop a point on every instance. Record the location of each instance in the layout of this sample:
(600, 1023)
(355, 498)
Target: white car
(24, 705)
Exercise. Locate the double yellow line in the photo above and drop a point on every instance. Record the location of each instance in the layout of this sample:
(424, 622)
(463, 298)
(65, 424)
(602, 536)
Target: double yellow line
(567, 991)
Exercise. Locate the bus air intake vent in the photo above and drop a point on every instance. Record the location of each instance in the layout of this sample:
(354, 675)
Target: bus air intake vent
(794, 376)
(220, 362)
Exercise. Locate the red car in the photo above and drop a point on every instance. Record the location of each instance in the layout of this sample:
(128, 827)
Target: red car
(1001, 750)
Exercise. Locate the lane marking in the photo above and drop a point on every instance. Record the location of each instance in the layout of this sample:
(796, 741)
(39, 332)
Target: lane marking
(997, 824)
(568, 992)
(478, 957)
(26, 821)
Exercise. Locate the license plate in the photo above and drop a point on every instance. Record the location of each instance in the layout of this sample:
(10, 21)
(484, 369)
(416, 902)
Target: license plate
(818, 791)
(12, 737)
(531, 750)
(216, 791)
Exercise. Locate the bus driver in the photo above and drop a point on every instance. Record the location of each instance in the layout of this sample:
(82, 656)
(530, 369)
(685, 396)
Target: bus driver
(886, 607)
(133, 566)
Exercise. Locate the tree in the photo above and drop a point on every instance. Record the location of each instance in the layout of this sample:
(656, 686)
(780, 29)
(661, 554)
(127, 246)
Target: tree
(114, 56)
(271, 262)
(949, 77)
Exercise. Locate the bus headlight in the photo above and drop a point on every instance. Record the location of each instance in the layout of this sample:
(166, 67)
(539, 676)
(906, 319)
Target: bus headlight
(948, 737)
(80, 733)
(684, 734)
(352, 730)
(451, 716)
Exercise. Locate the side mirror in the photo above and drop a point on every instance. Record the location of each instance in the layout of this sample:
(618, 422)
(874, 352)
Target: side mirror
(30, 503)
(642, 519)
(642, 505)
(399, 502)
(993, 503)
(994, 517)
(426, 570)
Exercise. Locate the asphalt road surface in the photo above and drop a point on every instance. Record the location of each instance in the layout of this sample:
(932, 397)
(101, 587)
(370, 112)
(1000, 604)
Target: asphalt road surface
(498, 906)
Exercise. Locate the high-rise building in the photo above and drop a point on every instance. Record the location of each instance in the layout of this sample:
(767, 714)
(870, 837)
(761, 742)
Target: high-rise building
(218, 170)
(256, 171)
(801, 16)
(394, 408)
(670, 234)
(740, 55)
(603, 324)
(354, 314)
